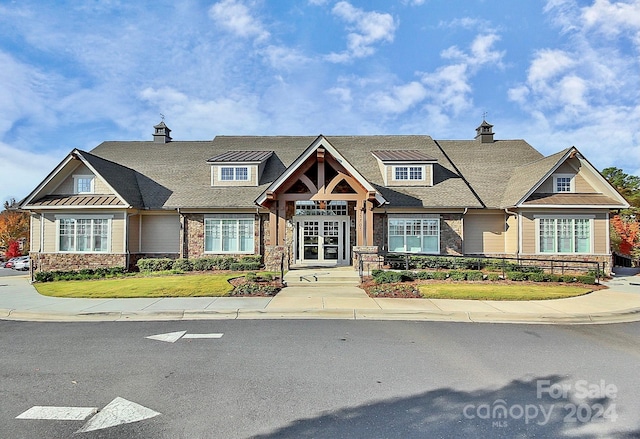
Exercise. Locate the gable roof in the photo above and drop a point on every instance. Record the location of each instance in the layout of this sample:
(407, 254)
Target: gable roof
(177, 174)
(488, 167)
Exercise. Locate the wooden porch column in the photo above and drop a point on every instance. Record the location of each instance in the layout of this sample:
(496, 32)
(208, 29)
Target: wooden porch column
(282, 222)
(273, 226)
(369, 222)
(360, 219)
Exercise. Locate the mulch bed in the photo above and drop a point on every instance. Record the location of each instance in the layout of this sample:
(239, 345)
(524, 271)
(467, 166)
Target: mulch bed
(241, 280)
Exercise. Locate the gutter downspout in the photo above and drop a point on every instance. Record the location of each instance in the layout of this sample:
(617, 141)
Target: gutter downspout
(518, 217)
(466, 209)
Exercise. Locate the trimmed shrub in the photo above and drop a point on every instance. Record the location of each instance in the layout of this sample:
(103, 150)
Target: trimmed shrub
(268, 277)
(244, 266)
(44, 276)
(182, 265)
(440, 275)
(424, 275)
(204, 264)
(537, 277)
(386, 277)
(493, 277)
(555, 277)
(474, 275)
(569, 278)
(224, 262)
(155, 264)
(408, 275)
(588, 279)
(251, 258)
(251, 277)
(516, 276)
(457, 275)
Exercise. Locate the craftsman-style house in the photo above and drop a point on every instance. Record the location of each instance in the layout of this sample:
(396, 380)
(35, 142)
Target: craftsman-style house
(318, 200)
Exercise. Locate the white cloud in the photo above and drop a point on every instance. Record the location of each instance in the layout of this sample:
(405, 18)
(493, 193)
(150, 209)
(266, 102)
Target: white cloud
(233, 113)
(236, 17)
(612, 18)
(400, 99)
(366, 30)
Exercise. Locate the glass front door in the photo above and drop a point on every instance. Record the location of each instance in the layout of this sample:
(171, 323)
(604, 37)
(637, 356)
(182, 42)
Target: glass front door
(322, 240)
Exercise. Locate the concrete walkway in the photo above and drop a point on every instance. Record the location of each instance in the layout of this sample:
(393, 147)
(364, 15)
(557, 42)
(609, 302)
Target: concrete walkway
(327, 294)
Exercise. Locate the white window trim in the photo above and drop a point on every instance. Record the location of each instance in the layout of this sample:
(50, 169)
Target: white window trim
(88, 176)
(409, 218)
(572, 183)
(591, 219)
(229, 217)
(422, 169)
(235, 175)
(77, 217)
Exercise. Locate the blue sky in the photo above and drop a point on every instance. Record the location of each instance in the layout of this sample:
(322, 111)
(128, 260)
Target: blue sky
(556, 73)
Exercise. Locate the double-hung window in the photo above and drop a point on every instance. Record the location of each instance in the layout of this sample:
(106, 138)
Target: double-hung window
(228, 235)
(237, 173)
(417, 235)
(565, 235)
(408, 173)
(84, 235)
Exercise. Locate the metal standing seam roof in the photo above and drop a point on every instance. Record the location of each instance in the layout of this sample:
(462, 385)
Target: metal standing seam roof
(571, 199)
(79, 200)
(403, 156)
(241, 156)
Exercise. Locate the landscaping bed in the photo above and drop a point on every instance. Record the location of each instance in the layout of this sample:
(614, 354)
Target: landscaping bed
(475, 285)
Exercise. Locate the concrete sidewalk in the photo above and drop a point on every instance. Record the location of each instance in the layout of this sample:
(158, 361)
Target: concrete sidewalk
(335, 298)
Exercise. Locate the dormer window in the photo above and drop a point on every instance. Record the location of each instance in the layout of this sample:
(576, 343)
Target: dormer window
(413, 173)
(405, 167)
(240, 173)
(83, 184)
(563, 183)
(238, 168)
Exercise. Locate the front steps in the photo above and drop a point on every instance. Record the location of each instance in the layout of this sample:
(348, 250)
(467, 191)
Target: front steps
(322, 277)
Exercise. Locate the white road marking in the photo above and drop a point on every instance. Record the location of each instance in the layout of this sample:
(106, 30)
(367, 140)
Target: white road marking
(170, 337)
(213, 335)
(58, 413)
(118, 412)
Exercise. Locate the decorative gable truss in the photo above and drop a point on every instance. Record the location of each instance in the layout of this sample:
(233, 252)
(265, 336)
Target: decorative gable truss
(320, 173)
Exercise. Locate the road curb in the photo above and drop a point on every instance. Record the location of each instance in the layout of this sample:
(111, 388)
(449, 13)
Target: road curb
(627, 316)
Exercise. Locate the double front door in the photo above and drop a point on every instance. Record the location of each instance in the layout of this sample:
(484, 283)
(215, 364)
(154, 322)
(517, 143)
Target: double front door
(322, 239)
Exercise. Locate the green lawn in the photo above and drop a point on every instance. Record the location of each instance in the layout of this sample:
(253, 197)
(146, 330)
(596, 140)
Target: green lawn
(492, 291)
(197, 285)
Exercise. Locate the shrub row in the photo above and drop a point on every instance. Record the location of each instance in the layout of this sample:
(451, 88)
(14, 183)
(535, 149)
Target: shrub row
(447, 263)
(83, 274)
(248, 262)
(589, 279)
(390, 276)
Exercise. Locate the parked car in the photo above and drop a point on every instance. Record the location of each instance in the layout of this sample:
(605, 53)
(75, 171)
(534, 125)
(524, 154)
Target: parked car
(10, 262)
(22, 263)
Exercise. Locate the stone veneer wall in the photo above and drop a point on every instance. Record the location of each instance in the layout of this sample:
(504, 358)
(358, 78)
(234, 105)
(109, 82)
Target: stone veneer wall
(600, 259)
(194, 235)
(76, 261)
(273, 257)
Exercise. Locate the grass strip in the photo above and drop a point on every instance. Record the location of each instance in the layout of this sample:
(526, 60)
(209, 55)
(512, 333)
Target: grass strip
(500, 292)
(205, 285)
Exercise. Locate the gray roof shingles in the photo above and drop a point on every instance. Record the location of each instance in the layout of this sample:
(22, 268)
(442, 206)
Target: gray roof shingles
(177, 174)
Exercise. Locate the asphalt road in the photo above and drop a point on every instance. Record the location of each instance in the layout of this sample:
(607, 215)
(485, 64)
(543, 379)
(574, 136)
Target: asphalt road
(325, 379)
